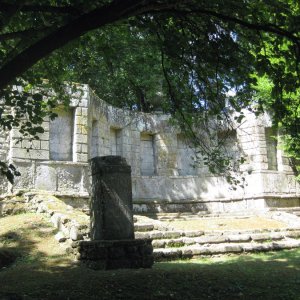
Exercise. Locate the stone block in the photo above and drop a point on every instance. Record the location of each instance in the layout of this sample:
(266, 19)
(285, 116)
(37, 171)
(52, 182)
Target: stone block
(115, 254)
(158, 243)
(143, 227)
(292, 234)
(68, 178)
(172, 234)
(188, 241)
(83, 103)
(84, 111)
(84, 148)
(199, 250)
(253, 247)
(276, 236)
(82, 157)
(74, 233)
(166, 254)
(39, 154)
(213, 239)
(60, 237)
(236, 238)
(82, 138)
(193, 233)
(232, 248)
(261, 237)
(45, 145)
(289, 244)
(56, 220)
(156, 234)
(27, 175)
(44, 136)
(46, 178)
(111, 199)
(175, 243)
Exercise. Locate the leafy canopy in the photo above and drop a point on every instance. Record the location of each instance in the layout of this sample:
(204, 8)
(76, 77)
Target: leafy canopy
(183, 57)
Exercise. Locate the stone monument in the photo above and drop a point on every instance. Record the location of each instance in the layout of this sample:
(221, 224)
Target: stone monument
(112, 243)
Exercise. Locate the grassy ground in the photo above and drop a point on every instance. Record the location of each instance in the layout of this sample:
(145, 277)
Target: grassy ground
(43, 272)
(253, 222)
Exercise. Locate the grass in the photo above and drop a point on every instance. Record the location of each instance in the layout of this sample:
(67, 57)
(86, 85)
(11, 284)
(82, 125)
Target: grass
(255, 222)
(44, 272)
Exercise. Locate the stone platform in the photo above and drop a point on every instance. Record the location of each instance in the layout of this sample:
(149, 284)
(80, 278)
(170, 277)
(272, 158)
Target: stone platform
(106, 255)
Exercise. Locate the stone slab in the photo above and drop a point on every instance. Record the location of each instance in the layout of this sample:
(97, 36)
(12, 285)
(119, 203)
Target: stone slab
(111, 199)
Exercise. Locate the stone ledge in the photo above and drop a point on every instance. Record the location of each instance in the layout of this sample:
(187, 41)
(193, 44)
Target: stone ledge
(162, 254)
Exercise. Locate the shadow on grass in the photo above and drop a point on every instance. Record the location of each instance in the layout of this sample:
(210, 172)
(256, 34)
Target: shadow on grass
(260, 276)
(39, 274)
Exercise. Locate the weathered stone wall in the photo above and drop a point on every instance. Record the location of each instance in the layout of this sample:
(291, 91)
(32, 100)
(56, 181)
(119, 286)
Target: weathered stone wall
(4, 149)
(163, 177)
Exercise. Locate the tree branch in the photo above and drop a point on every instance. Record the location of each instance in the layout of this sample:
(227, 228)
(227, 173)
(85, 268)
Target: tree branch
(6, 7)
(106, 14)
(270, 28)
(23, 33)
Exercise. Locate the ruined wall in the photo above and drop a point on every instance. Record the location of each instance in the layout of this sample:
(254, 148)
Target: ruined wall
(57, 162)
(164, 177)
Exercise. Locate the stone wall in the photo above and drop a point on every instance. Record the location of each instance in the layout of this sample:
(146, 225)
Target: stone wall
(163, 175)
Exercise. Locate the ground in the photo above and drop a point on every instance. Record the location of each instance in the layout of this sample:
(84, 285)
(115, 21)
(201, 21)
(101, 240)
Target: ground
(43, 271)
(219, 223)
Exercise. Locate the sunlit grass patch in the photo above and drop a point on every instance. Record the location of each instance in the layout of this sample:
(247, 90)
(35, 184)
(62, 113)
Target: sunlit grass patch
(220, 224)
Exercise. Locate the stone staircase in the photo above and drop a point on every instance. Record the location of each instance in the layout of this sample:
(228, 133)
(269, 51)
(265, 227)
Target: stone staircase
(292, 210)
(169, 243)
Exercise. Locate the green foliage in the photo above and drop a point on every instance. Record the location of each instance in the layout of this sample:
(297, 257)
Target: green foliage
(202, 62)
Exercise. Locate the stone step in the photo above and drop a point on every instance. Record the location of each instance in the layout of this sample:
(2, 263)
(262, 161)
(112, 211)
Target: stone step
(255, 234)
(161, 254)
(287, 209)
(198, 215)
(173, 240)
(143, 227)
(177, 216)
(158, 234)
(239, 238)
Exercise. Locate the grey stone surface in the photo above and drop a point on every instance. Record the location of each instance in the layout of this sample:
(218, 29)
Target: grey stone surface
(60, 237)
(172, 234)
(106, 255)
(253, 247)
(152, 147)
(193, 233)
(111, 199)
(143, 227)
(292, 234)
(142, 235)
(211, 239)
(156, 234)
(75, 234)
(260, 236)
(158, 243)
(238, 238)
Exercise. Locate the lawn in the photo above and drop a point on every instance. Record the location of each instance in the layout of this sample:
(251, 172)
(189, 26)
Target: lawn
(233, 223)
(42, 271)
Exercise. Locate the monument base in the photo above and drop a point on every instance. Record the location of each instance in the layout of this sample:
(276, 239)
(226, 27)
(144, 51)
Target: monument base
(115, 254)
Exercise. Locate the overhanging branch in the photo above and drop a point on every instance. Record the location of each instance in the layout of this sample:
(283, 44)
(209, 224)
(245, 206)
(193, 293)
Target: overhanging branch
(7, 7)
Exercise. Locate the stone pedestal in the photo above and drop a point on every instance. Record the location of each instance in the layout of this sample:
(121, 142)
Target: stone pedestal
(106, 255)
(112, 244)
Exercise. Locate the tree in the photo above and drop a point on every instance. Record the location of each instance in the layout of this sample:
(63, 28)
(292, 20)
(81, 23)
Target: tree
(182, 56)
